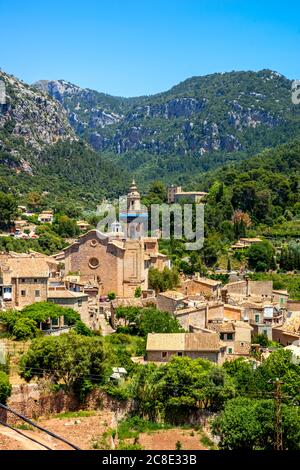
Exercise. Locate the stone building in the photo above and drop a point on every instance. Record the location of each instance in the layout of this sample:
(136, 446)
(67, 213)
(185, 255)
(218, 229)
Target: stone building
(175, 194)
(24, 278)
(169, 301)
(289, 332)
(117, 261)
(78, 301)
(46, 217)
(200, 285)
(162, 346)
(257, 290)
(236, 335)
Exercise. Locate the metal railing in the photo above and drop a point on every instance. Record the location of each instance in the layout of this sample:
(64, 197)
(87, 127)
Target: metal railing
(40, 428)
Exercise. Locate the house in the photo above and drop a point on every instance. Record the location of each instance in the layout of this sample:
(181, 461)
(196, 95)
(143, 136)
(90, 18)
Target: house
(293, 305)
(200, 285)
(78, 301)
(24, 278)
(289, 332)
(257, 290)
(260, 305)
(162, 346)
(175, 194)
(280, 297)
(192, 316)
(22, 209)
(243, 243)
(83, 225)
(236, 335)
(23, 228)
(233, 312)
(170, 301)
(46, 217)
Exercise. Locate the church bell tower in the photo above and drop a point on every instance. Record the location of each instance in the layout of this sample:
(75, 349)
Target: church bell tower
(135, 219)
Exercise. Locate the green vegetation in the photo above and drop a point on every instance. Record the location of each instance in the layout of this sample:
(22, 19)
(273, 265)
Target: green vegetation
(8, 209)
(74, 414)
(141, 321)
(111, 296)
(25, 427)
(261, 256)
(206, 441)
(164, 280)
(24, 324)
(290, 282)
(72, 361)
(5, 387)
(162, 135)
(132, 427)
(176, 389)
(247, 424)
(138, 292)
(47, 243)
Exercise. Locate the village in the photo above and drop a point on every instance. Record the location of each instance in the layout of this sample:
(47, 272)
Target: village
(105, 278)
(92, 269)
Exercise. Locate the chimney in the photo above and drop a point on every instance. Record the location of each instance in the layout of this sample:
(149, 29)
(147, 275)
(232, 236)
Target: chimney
(247, 287)
(206, 315)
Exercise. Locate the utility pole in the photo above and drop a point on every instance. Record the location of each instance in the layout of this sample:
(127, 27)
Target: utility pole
(278, 444)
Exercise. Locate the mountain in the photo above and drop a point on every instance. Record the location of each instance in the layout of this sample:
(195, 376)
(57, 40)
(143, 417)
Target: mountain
(39, 149)
(29, 121)
(196, 125)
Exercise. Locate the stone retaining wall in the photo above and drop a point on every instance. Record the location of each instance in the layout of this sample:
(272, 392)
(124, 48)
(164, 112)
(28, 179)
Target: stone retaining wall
(36, 400)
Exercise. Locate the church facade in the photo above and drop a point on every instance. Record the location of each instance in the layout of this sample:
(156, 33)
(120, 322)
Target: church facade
(118, 261)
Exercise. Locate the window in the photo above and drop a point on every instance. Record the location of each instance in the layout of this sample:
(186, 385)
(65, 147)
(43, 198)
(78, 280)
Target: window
(256, 318)
(229, 350)
(22, 280)
(35, 281)
(94, 263)
(37, 293)
(222, 336)
(79, 303)
(180, 354)
(242, 344)
(163, 354)
(23, 293)
(229, 336)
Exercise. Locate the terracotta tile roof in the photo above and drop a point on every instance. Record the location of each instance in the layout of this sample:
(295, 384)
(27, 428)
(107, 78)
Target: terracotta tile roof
(292, 324)
(127, 303)
(229, 327)
(281, 292)
(173, 294)
(27, 266)
(65, 294)
(222, 327)
(183, 342)
(208, 282)
(232, 307)
(82, 222)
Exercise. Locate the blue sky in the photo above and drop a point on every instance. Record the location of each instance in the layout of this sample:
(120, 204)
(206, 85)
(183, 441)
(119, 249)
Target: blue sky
(136, 47)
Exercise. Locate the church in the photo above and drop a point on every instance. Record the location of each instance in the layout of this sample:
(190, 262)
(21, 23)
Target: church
(117, 261)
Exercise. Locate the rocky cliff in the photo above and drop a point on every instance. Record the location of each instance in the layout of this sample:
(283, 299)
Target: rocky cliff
(227, 112)
(36, 117)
